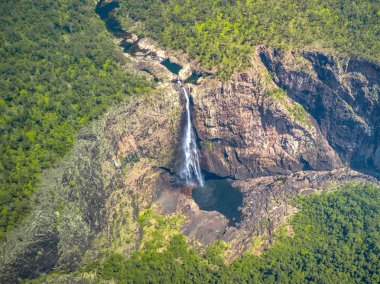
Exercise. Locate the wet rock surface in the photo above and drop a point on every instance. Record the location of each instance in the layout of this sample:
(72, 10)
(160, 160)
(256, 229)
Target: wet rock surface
(265, 205)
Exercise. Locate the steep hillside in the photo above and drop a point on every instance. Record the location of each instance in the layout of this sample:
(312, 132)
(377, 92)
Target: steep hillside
(287, 131)
(59, 70)
(90, 200)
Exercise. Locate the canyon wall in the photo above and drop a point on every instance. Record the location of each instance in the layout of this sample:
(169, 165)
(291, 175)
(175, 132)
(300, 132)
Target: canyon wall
(245, 132)
(341, 94)
(271, 146)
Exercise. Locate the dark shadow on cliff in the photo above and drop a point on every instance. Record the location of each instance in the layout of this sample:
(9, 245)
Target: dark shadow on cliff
(342, 95)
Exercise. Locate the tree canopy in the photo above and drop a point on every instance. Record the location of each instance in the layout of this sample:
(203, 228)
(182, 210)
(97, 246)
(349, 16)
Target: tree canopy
(223, 33)
(336, 239)
(59, 69)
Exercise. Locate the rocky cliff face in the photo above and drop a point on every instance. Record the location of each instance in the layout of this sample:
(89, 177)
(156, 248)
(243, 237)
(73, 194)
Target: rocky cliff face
(342, 95)
(246, 132)
(269, 145)
(272, 146)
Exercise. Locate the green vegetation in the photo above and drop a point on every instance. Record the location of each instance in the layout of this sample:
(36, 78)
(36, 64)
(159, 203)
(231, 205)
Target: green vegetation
(336, 239)
(59, 69)
(164, 256)
(158, 230)
(223, 33)
(296, 111)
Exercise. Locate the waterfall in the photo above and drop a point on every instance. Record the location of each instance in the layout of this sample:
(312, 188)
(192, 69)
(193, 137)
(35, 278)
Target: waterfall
(190, 170)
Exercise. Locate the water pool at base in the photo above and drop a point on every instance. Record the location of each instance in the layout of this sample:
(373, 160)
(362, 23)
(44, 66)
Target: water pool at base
(218, 195)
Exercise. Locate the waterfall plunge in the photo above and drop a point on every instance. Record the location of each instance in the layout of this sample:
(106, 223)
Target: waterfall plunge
(190, 170)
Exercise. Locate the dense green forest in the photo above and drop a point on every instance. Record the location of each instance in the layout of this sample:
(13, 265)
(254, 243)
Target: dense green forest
(59, 69)
(336, 239)
(222, 33)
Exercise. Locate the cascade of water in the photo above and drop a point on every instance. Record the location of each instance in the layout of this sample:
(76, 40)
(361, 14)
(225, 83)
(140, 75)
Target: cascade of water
(190, 170)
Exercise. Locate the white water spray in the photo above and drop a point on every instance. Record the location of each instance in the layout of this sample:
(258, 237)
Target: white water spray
(190, 170)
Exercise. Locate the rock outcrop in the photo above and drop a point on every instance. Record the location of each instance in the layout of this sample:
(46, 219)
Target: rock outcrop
(342, 95)
(265, 205)
(246, 132)
(266, 198)
(90, 201)
(270, 146)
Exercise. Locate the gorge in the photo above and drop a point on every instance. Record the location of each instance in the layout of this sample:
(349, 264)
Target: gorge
(226, 201)
(225, 157)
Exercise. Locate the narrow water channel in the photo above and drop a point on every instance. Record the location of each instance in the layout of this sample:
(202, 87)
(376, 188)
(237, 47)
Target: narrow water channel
(106, 12)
